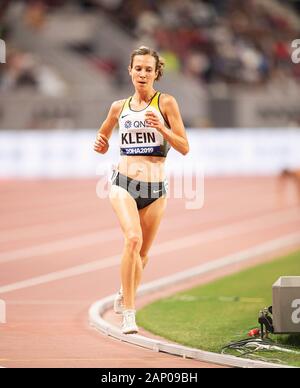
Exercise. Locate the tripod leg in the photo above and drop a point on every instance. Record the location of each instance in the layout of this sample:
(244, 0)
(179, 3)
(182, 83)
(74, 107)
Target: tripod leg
(261, 331)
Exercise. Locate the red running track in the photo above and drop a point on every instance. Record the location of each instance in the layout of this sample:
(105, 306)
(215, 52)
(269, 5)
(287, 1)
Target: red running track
(60, 252)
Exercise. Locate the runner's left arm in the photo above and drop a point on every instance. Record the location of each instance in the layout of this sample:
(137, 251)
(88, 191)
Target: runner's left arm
(177, 136)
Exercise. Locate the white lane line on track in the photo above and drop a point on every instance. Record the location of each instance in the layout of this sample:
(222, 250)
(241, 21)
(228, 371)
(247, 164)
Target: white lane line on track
(41, 230)
(159, 249)
(108, 235)
(58, 208)
(62, 245)
(64, 274)
(98, 308)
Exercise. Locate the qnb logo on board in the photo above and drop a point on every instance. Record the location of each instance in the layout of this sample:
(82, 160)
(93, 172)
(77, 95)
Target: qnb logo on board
(2, 51)
(296, 312)
(296, 52)
(2, 311)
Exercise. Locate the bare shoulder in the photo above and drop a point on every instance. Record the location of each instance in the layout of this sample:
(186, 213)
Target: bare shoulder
(167, 101)
(115, 109)
(116, 106)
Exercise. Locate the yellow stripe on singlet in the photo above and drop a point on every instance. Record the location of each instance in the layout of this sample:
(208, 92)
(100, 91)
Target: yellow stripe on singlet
(154, 101)
(125, 106)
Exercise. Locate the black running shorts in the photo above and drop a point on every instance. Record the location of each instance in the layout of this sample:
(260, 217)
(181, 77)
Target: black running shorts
(144, 193)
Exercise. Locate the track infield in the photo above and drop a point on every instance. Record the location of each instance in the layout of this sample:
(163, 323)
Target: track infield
(213, 315)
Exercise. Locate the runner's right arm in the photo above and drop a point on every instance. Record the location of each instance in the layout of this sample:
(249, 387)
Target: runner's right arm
(104, 133)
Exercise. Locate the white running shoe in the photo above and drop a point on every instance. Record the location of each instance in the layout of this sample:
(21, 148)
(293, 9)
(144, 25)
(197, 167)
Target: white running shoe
(129, 326)
(119, 303)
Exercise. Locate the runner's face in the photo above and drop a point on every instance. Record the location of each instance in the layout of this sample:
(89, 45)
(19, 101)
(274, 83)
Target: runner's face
(143, 72)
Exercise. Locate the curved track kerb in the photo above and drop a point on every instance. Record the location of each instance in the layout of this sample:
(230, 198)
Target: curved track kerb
(98, 309)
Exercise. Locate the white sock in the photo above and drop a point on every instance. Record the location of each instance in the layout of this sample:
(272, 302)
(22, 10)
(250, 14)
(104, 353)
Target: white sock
(129, 311)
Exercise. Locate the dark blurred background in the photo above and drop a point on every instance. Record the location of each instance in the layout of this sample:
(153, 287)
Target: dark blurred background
(228, 62)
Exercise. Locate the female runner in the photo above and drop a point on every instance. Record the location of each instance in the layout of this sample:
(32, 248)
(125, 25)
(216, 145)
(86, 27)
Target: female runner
(149, 124)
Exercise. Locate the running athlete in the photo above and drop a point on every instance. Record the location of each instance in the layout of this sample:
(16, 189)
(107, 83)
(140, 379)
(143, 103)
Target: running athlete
(149, 124)
(292, 175)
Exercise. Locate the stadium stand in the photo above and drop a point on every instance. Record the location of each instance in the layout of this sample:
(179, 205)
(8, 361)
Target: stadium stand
(68, 59)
